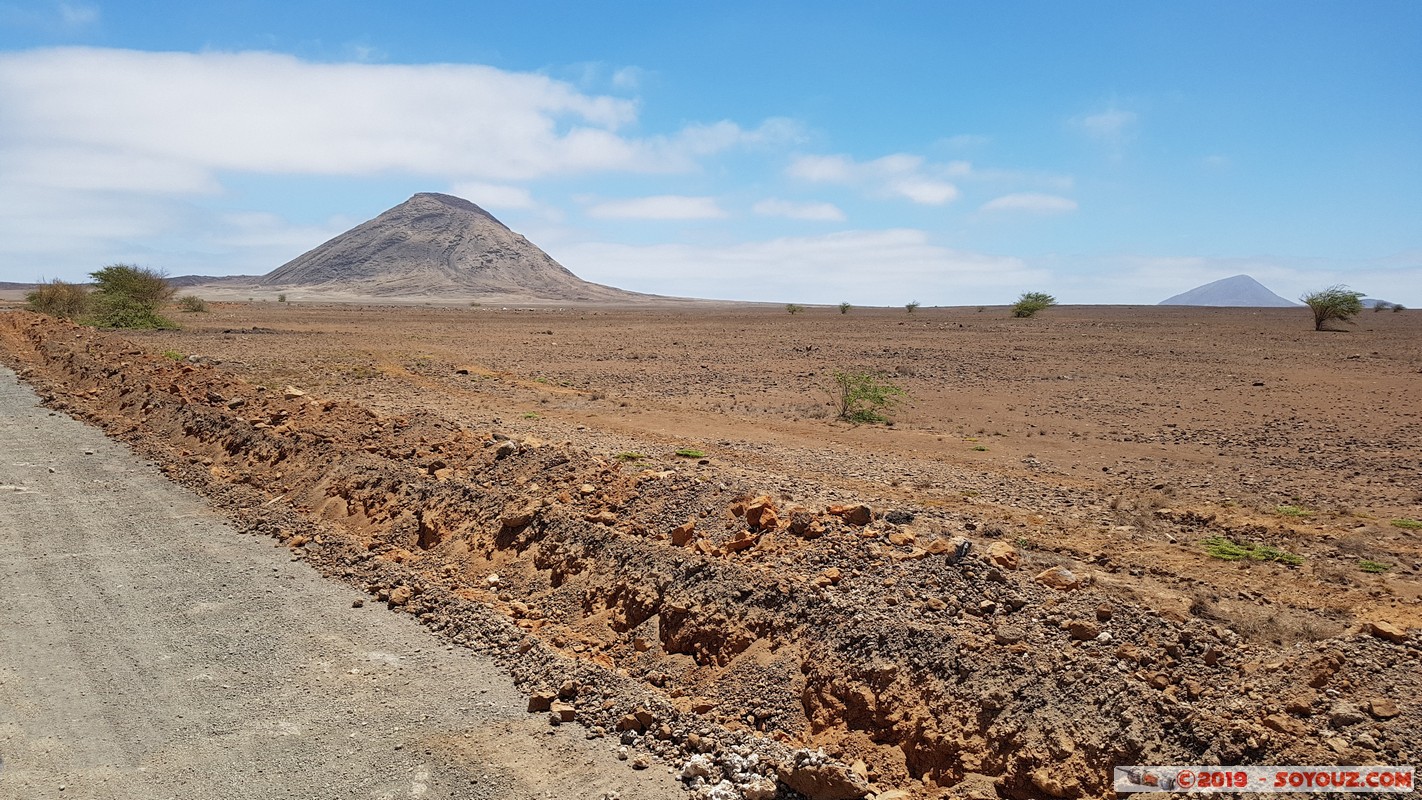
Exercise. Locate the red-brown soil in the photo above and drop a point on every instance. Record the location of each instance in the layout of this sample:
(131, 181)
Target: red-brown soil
(453, 445)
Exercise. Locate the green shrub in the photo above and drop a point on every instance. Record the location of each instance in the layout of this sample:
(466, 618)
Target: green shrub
(59, 299)
(1375, 567)
(1292, 511)
(844, 308)
(911, 307)
(1407, 524)
(192, 303)
(629, 455)
(862, 396)
(794, 308)
(1227, 550)
(127, 296)
(690, 452)
(1032, 302)
(1336, 303)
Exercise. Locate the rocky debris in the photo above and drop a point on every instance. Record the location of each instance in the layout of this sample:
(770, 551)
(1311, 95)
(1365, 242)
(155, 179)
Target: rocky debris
(857, 514)
(817, 777)
(1059, 578)
(539, 702)
(1388, 631)
(1383, 708)
(1004, 555)
(682, 534)
(292, 393)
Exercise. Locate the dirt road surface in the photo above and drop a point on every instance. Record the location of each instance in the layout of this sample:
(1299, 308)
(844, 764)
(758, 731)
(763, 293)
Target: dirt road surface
(148, 650)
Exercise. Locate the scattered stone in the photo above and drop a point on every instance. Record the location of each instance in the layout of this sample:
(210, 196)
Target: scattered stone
(1004, 555)
(1083, 630)
(563, 712)
(1301, 704)
(358, 602)
(520, 517)
(817, 779)
(400, 595)
(1059, 578)
(641, 762)
(1286, 725)
(829, 577)
(538, 702)
(1344, 714)
(682, 534)
(857, 514)
(1388, 631)
(292, 393)
(760, 514)
(902, 538)
(741, 541)
(1383, 708)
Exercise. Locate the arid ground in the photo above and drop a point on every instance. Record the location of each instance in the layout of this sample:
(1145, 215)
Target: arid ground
(794, 582)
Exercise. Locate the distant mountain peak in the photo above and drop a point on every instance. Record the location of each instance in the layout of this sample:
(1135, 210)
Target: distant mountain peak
(436, 245)
(1236, 291)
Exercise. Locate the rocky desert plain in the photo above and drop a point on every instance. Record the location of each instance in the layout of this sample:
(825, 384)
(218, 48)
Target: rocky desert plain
(650, 514)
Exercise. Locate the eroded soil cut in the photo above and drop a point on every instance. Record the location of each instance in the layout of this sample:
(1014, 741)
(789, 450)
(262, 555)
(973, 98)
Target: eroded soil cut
(937, 625)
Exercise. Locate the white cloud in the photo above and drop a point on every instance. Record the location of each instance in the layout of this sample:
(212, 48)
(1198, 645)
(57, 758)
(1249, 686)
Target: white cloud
(273, 113)
(812, 212)
(888, 267)
(1031, 203)
(923, 190)
(900, 175)
(661, 207)
(1110, 125)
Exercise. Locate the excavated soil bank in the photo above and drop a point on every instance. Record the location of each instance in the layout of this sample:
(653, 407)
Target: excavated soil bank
(734, 622)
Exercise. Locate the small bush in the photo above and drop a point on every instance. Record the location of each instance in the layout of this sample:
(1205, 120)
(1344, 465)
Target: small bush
(690, 452)
(1407, 524)
(844, 308)
(192, 303)
(127, 296)
(629, 455)
(1228, 550)
(59, 299)
(1337, 303)
(1292, 511)
(863, 396)
(1396, 307)
(793, 308)
(1032, 302)
(173, 355)
(911, 307)
(281, 298)
(1375, 567)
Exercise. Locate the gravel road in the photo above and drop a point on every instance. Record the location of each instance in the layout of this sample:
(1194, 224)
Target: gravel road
(148, 650)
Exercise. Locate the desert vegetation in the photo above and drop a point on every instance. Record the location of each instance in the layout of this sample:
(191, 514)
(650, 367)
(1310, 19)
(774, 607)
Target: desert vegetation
(128, 296)
(59, 299)
(192, 304)
(863, 397)
(1337, 303)
(1031, 302)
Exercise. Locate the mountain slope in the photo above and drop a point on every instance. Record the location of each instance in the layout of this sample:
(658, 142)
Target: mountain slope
(435, 245)
(1239, 290)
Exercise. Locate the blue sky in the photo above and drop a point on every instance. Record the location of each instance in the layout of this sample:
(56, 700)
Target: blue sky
(952, 153)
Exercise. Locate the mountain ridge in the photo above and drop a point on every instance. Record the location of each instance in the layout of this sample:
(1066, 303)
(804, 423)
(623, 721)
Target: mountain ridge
(1237, 291)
